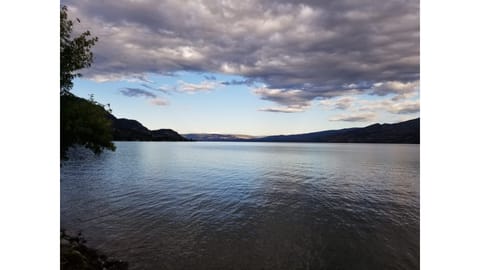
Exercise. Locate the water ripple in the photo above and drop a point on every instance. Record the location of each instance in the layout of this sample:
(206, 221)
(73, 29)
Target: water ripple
(248, 205)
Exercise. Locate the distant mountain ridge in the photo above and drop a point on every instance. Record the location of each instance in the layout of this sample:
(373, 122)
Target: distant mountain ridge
(402, 132)
(218, 137)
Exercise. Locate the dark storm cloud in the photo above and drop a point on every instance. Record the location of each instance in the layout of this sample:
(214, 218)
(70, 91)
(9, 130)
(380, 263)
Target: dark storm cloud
(137, 92)
(318, 49)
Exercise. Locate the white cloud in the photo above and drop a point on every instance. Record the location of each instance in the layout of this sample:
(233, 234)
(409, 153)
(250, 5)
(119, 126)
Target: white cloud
(159, 101)
(355, 117)
(288, 109)
(342, 103)
(399, 107)
(204, 86)
(401, 89)
(405, 107)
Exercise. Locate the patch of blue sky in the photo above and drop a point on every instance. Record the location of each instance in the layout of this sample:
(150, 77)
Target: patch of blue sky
(231, 109)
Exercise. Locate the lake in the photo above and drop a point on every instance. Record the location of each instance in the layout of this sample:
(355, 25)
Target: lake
(241, 205)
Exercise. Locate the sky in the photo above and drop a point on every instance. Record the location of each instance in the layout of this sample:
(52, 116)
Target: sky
(253, 67)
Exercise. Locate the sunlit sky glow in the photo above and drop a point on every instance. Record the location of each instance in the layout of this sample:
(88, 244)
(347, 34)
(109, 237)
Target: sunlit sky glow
(253, 67)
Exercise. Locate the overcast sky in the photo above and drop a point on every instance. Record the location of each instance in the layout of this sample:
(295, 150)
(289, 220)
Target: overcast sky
(253, 67)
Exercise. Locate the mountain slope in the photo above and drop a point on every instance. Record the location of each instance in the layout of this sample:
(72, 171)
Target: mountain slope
(403, 132)
(166, 135)
(132, 130)
(320, 136)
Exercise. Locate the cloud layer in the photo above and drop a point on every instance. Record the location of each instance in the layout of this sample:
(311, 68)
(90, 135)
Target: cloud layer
(355, 117)
(300, 50)
(205, 86)
(138, 92)
(361, 110)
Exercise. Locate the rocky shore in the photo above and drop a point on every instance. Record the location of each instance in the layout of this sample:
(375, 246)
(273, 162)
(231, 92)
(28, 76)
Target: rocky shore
(75, 255)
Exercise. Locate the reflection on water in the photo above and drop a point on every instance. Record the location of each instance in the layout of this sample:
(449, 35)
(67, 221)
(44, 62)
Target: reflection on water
(200, 205)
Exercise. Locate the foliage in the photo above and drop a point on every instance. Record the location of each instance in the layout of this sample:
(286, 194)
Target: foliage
(84, 122)
(75, 52)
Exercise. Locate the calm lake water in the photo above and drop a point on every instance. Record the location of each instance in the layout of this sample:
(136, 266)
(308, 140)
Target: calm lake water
(216, 205)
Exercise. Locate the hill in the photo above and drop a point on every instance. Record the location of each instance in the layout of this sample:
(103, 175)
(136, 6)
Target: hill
(132, 130)
(403, 132)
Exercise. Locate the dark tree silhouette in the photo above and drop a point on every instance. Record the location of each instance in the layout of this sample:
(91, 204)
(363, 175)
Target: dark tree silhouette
(82, 122)
(75, 52)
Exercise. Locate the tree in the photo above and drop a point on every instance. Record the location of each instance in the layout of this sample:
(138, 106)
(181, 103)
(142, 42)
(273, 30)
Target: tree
(75, 52)
(82, 122)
